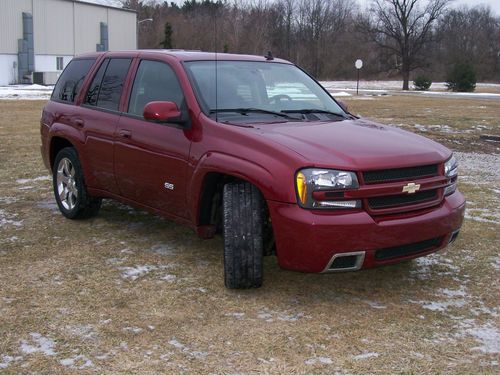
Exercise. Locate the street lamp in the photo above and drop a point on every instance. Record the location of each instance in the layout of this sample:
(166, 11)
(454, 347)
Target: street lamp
(137, 31)
(144, 20)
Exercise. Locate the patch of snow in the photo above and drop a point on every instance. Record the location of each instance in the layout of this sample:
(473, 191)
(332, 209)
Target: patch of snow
(375, 305)
(184, 349)
(365, 356)
(133, 273)
(442, 305)
(163, 249)
(318, 360)
(135, 330)
(236, 315)
(49, 205)
(85, 331)
(169, 278)
(476, 168)
(38, 344)
(340, 94)
(26, 92)
(483, 215)
(270, 316)
(496, 263)
(9, 200)
(78, 362)
(24, 181)
(7, 360)
(8, 219)
(488, 336)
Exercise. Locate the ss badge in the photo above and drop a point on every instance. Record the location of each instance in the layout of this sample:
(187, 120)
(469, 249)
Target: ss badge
(168, 186)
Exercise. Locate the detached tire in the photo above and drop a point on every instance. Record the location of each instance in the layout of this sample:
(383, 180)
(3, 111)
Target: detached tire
(243, 223)
(69, 187)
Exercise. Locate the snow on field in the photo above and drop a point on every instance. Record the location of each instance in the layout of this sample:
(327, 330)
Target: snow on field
(320, 360)
(26, 92)
(38, 344)
(365, 356)
(6, 360)
(382, 86)
(24, 181)
(77, 362)
(9, 219)
(186, 350)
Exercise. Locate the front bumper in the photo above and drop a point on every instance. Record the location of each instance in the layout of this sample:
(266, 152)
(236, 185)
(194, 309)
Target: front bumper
(308, 240)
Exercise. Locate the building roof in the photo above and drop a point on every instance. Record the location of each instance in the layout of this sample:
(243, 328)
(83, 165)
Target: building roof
(98, 4)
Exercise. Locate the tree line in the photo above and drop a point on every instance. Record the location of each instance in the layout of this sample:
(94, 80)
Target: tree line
(395, 38)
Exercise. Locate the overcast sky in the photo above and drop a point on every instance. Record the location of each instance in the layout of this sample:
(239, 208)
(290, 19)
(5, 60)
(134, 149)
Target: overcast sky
(494, 4)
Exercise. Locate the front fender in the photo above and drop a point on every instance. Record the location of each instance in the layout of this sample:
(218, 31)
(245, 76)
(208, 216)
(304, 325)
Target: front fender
(231, 165)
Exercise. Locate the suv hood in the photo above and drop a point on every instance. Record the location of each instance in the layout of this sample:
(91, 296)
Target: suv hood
(355, 144)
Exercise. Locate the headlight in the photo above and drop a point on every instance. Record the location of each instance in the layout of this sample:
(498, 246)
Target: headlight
(310, 180)
(451, 172)
(451, 167)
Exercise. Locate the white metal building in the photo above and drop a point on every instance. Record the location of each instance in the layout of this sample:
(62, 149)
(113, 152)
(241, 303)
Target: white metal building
(39, 37)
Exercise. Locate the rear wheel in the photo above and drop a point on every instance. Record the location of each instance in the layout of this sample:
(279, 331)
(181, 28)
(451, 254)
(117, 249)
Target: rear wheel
(69, 187)
(243, 223)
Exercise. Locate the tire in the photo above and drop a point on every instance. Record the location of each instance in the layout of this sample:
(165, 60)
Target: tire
(69, 187)
(243, 224)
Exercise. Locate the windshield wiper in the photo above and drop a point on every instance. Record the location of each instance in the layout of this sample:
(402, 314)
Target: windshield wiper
(244, 111)
(312, 110)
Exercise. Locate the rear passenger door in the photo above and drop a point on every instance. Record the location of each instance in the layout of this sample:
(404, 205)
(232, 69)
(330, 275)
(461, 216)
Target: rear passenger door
(151, 158)
(100, 112)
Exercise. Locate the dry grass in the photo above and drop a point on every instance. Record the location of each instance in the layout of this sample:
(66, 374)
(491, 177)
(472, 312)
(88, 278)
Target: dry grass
(65, 280)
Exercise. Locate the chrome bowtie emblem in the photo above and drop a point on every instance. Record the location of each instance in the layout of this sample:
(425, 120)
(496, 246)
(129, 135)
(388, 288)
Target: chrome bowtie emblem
(411, 188)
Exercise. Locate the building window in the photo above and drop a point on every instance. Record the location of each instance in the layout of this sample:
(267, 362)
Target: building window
(59, 63)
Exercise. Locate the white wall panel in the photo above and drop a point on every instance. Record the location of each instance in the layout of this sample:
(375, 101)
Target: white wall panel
(47, 63)
(122, 30)
(87, 26)
(8, 69)
(53, 27)
(11, 23)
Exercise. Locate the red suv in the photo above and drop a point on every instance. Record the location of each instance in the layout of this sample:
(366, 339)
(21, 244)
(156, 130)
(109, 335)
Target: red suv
(252, 147)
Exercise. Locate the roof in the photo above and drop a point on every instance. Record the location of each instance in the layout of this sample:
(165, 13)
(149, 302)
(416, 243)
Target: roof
(92, 3)
(185, 55)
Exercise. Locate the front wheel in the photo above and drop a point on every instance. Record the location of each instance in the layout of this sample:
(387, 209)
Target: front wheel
(69, 187)
(243, 223)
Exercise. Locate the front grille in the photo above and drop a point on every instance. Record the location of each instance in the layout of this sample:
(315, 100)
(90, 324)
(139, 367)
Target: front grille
(403, 199)
(405, 250)
(388, 175)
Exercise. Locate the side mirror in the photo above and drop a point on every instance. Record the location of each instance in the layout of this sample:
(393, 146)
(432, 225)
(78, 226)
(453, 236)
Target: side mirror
(343, 106)
(162, 112)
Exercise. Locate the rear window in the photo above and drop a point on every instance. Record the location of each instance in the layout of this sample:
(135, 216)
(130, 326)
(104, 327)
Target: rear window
(69, 84)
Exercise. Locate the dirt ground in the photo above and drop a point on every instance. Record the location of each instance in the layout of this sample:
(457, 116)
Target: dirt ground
(131, 293)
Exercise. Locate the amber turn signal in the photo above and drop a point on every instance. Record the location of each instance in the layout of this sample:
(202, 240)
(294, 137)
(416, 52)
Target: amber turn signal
(301, 187)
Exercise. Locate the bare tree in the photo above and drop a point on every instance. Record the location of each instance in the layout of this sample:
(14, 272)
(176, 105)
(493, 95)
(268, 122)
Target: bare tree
(404, 27)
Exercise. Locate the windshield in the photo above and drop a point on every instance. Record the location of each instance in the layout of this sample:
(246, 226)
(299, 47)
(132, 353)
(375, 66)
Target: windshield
(259, 89)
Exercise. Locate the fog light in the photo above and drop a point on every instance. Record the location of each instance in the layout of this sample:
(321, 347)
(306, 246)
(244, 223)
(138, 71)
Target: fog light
(450, 189)
(337, 204)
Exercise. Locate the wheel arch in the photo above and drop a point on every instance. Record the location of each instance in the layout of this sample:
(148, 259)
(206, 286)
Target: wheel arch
(57, 143)
(210, 176)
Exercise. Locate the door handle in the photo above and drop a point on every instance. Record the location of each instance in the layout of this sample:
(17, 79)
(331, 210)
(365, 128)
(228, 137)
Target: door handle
(125, 133)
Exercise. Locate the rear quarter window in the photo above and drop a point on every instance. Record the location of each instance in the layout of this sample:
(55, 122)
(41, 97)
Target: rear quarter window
(69, 84)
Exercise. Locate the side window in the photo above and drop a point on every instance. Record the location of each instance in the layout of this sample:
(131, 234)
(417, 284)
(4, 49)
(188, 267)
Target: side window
(70, 82)
(154, 81)
(95, 86)
(106, 87)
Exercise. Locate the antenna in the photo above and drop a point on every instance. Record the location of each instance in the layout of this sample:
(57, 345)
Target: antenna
(216, 78)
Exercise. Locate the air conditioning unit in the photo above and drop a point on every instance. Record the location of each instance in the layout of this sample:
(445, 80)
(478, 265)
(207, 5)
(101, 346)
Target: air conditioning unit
(45, 78)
